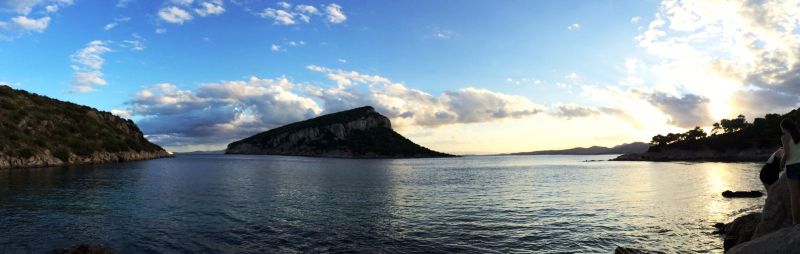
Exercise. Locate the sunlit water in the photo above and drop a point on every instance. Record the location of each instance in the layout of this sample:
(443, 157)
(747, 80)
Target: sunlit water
(267, 204)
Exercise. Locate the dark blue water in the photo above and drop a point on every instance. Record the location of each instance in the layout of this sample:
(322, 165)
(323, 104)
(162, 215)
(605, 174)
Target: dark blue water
(267, 204)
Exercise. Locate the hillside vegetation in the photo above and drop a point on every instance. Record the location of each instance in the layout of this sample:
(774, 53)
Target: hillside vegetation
(31, 124)
(734, 139)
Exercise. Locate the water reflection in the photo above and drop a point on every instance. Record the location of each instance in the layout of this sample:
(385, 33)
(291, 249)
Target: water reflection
(257, 204)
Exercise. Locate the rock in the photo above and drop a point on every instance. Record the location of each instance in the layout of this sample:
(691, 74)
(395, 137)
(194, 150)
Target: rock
(785, 240)
(740, 230)
(355, 133)
(777, 211)
(85, 249)
(742, 194)
(626, 250)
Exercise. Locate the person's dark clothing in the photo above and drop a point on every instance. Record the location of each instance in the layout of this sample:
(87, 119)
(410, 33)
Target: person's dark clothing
(771, 170)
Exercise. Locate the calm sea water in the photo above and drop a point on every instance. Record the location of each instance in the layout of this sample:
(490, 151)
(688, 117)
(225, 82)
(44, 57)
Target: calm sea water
(268, 204)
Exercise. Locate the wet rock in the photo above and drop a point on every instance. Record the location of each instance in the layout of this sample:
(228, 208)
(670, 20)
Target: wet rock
(742, 194)
(785, 240)
(626, 250)
(85, 249)
(777, 211)
(740, 230)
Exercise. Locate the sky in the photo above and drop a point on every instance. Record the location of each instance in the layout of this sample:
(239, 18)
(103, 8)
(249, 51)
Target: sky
(464, 77)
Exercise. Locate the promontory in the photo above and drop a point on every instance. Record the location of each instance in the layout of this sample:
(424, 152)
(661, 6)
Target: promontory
(37, 131)
(356, 133)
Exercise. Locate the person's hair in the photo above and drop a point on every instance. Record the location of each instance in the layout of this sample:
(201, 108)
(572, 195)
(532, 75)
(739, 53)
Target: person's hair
(791, 127)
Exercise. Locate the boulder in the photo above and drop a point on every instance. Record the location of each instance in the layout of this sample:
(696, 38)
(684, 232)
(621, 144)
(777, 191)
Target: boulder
(626, 250)
(785, 240)
(740, 230)
(777, 211)
(85, 249)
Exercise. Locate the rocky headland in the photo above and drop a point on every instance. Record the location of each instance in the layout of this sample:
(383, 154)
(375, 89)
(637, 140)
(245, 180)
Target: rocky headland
(355, 133)
(37, 131)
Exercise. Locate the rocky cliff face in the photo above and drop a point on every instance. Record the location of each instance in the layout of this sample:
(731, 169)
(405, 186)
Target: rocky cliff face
(37, 131)
(356, 133)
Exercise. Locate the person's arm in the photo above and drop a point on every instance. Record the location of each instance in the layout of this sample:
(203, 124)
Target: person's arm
(786, 151)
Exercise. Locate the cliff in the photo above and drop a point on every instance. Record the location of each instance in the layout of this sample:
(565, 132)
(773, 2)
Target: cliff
(37, 131)
(355, 133)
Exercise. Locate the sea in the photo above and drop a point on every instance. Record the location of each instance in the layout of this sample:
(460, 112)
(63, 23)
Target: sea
(283, 204)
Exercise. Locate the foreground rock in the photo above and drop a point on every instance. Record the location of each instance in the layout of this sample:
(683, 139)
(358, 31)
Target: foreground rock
(37, 131)
(356, 133)
(85, 249)
(769, 232)
(739, 230)
(785, 240)
(626, 250)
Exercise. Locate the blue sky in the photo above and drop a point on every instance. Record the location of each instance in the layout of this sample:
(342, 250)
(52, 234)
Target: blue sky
(557, 62)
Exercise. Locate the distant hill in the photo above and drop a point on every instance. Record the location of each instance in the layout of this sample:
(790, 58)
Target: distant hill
(37, 131)
(731, 140)
(355, 133)
(203, 152)
(635, 147)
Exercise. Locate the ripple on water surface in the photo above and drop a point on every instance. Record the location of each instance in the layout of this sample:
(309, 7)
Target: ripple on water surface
(265, 204)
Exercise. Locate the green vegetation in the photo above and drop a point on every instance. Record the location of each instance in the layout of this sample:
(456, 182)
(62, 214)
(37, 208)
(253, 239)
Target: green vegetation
(31, 123)
(728, 134)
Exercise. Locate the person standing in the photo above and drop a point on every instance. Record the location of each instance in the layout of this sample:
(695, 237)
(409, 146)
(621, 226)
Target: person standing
(791, 161)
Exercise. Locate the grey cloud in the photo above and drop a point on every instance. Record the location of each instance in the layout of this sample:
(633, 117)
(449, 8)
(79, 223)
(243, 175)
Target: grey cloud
(686, 112)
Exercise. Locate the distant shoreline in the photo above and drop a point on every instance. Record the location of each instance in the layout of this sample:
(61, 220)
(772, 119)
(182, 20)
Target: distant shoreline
(749, 155)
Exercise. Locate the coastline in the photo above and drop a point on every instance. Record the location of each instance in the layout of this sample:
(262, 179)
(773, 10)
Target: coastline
(750, 155)
(49, 160)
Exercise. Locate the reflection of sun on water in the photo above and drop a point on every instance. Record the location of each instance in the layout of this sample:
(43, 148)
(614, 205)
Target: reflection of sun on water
(719, 179)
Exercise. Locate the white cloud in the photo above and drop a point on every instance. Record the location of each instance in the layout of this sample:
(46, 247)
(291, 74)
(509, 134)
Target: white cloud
(574, 26)
(36, 25)
(284, 5)
(116, 22)
(720, 50)
(210, 8)
(335, 13)
(219, 112)
(87, 64)
(281, 17)
(285, 15)
(30, 16)
(161, 30)
(175, 15)
(277, 48)
(121, 113)
(636, 19)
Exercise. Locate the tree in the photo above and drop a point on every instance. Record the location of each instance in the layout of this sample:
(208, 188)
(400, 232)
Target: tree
(734, 125)
(659, 140)
(716, 129)
(695, 134)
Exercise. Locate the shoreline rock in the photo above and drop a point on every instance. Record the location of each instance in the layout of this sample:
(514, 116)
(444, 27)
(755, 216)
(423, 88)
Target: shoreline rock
(48, 160)
(750, 155)
(771, 231)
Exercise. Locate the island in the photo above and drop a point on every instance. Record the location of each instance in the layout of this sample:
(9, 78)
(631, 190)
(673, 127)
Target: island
(38, 131)
(356, 133)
